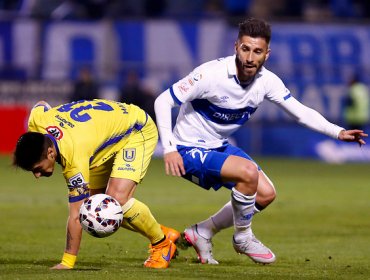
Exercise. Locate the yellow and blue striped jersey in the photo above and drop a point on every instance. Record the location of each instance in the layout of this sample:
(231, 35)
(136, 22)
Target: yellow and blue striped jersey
(87, 133)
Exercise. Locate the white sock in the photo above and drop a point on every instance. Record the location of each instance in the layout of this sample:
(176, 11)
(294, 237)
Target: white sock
(243, 209)
(255, 210)
(224, 217)
(219, 221)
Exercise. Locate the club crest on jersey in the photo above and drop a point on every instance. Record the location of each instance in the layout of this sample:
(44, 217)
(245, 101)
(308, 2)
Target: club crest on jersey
(129, 154)
(197, 76)
(55, 131)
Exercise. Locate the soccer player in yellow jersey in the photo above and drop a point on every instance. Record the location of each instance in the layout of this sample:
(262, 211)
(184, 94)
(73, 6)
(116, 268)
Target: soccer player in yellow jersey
(103, 147)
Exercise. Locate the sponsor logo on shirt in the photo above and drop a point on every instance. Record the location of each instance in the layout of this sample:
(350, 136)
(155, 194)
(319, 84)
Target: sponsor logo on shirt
(55, 131)
(76, 180)
(77, 188)
(231, 117)
(184, 87)
(63, 121)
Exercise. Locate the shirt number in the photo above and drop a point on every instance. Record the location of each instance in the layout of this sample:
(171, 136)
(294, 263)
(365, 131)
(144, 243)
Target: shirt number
(77, 111)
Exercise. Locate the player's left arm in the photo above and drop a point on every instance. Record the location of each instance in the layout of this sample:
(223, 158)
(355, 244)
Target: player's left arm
(315, 121)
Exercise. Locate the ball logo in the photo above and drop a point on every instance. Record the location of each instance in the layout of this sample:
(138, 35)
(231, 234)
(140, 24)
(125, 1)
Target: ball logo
(55, 131)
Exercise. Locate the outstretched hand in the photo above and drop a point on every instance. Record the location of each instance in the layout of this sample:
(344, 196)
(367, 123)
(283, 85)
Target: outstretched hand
(354, 135)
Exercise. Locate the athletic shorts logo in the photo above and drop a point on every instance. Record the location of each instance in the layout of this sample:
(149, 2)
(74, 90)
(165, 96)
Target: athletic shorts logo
(55, 131)
(129, 154)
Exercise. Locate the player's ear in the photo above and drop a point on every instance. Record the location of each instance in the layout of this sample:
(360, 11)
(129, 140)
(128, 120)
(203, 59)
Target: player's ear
(236, 46)
(50, 153)
(268, 53)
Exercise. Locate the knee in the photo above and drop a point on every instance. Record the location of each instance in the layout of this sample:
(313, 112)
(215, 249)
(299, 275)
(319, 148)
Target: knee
(249, 174)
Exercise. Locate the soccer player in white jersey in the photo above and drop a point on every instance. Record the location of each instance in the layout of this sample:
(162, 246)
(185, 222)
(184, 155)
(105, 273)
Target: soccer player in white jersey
(216, 99)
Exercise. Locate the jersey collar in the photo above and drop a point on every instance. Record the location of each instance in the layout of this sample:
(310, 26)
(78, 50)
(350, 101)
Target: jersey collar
(58, 159)
(231, 66)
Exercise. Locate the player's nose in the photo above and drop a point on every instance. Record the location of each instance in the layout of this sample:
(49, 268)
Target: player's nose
(250, 57)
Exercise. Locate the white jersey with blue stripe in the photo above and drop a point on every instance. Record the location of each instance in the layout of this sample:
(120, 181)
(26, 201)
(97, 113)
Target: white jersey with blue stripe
(214, 104)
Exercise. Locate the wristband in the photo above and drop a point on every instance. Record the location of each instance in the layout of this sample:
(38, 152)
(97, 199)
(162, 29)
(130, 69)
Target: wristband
(68, 260)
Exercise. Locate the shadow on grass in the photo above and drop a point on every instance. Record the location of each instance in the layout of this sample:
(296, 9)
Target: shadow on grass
(81, 266)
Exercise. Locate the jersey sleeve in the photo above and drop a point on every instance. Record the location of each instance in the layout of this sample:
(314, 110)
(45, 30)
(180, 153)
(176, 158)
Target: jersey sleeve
(310, 118)
(276, 90)
(35, 116)
(190, 87)
(77, 182)
(279, 94)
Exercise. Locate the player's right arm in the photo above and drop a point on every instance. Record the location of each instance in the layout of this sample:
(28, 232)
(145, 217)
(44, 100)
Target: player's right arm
(73, 237)
(77, 191)
(163, 109)
(189, 88)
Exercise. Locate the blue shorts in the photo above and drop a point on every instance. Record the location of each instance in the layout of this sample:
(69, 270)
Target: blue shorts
(203, 166)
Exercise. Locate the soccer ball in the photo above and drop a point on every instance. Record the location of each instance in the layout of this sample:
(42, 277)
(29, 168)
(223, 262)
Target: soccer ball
(101, 215)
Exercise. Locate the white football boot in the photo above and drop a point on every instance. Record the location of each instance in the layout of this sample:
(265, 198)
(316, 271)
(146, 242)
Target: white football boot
(202, 245)
(255, 250)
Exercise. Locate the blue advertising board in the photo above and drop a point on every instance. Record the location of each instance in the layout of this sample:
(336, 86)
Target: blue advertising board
(315, 61)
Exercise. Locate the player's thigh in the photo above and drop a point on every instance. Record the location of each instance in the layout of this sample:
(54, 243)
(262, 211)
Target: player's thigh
(133, 160)
(99, 176)
(236, 169)
(121, 189)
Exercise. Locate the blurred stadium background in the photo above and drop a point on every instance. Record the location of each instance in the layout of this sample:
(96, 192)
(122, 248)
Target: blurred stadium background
(143, 46)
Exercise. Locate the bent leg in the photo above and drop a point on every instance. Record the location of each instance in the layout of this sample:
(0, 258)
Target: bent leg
(245, 175)
(136, 215)
(266, 192)
(223, 218)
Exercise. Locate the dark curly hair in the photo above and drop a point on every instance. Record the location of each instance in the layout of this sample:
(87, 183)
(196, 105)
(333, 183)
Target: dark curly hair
(31, 148)
(255, 28)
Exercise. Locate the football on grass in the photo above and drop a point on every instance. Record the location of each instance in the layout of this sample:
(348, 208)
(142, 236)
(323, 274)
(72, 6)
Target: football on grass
(101, 215)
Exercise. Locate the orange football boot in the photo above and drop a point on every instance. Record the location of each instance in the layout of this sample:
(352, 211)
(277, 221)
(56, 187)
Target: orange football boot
(171, 233)
(161, 254)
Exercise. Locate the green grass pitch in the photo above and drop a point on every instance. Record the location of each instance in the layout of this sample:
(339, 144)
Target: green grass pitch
(318, 227)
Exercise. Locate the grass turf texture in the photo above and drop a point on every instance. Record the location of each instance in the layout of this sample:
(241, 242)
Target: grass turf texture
(319, 227)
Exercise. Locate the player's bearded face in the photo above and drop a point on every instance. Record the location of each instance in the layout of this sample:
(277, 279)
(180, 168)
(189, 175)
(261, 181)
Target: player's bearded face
(251, 54)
